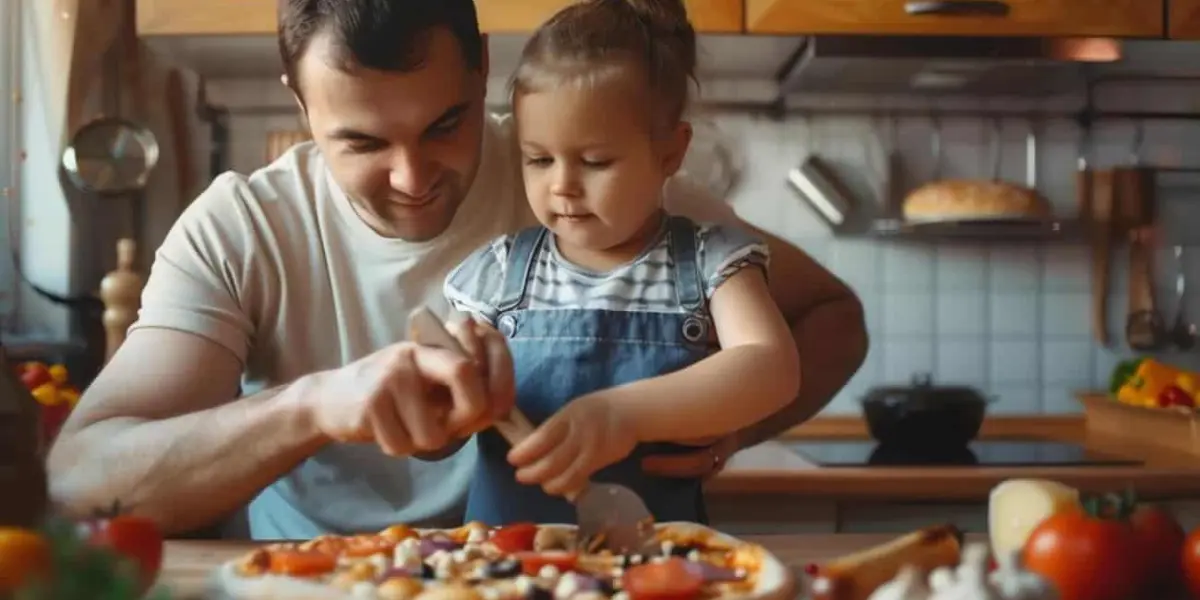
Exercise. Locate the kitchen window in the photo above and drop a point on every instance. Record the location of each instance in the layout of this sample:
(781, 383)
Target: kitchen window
(10, 41)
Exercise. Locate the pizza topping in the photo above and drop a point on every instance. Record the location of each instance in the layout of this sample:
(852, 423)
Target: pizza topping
(669, 580)
(505, 568)
(432, 545)
(407, 554)
(553, 539)
(302, 563)
(517, 537)
(399, 588)
(533, 562)
(712, 573)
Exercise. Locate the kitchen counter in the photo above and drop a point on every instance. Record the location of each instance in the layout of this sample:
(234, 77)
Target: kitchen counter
(187, 565)
(772, 469)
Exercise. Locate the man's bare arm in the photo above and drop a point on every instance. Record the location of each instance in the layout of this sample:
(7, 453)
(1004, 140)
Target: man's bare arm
(158, 431)
(829, 328)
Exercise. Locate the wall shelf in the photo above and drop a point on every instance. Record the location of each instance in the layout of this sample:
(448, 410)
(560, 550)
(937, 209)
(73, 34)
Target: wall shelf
(977, 231)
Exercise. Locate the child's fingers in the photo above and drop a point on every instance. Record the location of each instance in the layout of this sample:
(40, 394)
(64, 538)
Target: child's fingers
(548, 436)
(573, 478)
(557, 461)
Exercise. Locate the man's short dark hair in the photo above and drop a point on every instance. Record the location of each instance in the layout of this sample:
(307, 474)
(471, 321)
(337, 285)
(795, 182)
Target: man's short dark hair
(384, 35)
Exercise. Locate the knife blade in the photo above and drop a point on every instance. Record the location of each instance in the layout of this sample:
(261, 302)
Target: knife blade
(609, 516)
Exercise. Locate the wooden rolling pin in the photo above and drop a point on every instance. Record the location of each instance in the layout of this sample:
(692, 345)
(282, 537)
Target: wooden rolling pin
(121, 292)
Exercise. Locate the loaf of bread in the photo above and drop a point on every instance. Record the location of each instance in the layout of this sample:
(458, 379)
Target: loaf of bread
(973, 200)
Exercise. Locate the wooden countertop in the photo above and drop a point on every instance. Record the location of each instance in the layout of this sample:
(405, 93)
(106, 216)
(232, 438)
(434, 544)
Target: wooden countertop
(771, 468)
(188, 565)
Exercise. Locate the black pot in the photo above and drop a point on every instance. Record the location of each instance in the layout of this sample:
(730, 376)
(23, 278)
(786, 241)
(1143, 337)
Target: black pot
(924, 416)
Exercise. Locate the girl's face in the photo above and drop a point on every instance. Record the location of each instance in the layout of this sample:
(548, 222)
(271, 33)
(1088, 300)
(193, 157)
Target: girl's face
(593, 172)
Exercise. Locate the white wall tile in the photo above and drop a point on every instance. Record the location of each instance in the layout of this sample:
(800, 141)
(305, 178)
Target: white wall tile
(1013, 362)
(961, 267)
(904, 358)
(1014, 269)
(961, 314)
(908, 268)
(907, 314)
(962, 363)
(1066, 314)
(1068, 363)
(1014, 314)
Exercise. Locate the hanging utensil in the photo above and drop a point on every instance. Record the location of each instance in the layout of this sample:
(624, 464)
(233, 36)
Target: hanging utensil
(815, 182)
(1144, 327)
(1183, 333)
(1094, 191)
(609, 516)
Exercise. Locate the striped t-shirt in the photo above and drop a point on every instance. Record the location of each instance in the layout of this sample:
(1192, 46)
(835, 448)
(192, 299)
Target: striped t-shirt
(645, 284)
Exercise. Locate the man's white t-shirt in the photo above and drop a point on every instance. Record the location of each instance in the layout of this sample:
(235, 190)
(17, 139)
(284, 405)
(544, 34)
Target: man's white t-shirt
(278, 268)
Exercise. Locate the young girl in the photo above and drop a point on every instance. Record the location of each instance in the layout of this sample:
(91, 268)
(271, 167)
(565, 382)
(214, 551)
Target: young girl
(614, 310)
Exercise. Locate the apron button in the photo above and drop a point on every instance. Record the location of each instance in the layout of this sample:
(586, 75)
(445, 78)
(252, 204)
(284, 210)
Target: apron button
(694, 329)
(507, 325)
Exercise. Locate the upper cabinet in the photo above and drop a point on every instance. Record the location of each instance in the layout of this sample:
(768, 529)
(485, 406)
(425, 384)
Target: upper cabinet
(1184, 21)
(1118, 18)
(516, 16)
(257, 17)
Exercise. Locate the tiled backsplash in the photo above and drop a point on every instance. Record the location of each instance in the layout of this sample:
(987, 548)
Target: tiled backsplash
(1010, 318)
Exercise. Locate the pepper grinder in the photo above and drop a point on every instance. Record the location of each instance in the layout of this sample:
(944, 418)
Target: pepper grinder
(121, 292)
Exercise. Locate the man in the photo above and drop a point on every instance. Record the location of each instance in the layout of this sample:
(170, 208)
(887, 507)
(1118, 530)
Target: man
(297, 281)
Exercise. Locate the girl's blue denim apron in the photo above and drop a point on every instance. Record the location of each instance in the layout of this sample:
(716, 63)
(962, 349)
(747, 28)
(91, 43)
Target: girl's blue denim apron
(561, 354)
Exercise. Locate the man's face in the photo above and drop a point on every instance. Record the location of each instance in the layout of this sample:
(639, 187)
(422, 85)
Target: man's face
(405, 147)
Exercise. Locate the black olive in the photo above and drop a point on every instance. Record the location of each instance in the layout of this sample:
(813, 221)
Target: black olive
(606, 587)
(538, 592)
(628, 560)
(683, 550)
(508, 567)
(427, 571)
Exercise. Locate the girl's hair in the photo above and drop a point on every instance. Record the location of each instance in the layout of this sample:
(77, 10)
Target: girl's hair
(590, 40)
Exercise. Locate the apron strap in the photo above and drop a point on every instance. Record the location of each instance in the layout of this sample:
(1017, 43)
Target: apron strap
(687, 273)
(521, 258)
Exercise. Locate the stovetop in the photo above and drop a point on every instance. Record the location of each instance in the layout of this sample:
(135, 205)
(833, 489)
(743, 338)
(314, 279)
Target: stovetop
(981, 453)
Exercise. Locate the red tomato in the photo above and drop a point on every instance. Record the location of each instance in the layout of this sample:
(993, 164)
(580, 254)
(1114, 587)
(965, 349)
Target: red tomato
(136, 538)
(517, 537)
(35, 375)
(1191, 562)
(668, 580)
(1085, 557)
(1159, 542)
(302, 563)
(532, 562)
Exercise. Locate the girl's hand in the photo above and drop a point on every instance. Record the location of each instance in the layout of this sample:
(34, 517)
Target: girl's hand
(587, 435)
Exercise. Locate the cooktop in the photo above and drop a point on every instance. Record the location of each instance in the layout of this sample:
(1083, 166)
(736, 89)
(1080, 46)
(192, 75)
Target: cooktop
(982, 453)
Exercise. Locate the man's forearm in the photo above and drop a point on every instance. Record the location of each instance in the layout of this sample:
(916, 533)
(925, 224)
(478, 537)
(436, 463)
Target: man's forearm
(187, 471)
(832, 341)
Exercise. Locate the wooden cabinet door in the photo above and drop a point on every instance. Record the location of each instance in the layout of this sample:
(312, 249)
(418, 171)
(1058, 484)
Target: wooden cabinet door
(1183, 19)
(257, 17)
(518, 16)
(1118, 18)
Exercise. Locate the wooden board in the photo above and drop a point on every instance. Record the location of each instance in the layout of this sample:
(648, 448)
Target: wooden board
(1148, 426)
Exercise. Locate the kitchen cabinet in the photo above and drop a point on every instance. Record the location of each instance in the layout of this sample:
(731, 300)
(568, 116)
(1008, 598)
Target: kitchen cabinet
(1117, 18)
(1183, 19)
(257, 17)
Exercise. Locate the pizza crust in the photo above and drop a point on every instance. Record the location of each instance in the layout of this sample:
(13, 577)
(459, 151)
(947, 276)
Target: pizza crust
(774, 580)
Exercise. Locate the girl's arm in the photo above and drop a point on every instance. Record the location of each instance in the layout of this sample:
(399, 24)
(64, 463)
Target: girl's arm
(755, 374)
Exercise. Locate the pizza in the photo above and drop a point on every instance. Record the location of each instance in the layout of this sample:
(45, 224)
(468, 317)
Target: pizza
(520, 561)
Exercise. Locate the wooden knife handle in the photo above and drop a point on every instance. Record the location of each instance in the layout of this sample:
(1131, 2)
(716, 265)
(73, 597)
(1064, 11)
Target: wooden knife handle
(856, 576)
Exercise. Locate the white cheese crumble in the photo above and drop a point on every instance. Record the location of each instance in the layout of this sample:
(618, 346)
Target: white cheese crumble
(548, 572)
(363, 589)
(667, 547)
(477, 535)
(525, 584)
(407, 554)
(694, 555)
(567, 586)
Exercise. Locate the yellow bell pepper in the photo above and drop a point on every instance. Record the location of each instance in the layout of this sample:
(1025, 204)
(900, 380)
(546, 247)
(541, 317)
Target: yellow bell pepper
(1155, 376)
(69, 395)
(59, 374)
(47, 394)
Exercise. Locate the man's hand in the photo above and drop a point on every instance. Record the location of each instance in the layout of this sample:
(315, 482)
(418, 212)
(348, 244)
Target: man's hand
(708, 459)
(588, 434)
(409, 398)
